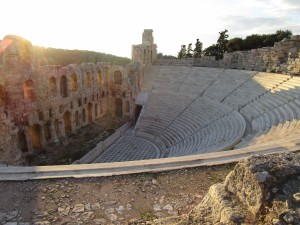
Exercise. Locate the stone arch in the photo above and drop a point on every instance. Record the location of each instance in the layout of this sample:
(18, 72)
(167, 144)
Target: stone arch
(77, 119)
(90, 112)
(29, 90)
(63, 86)
(83, 115)
(96, 110)
(88, 80)
(74, 83)
(99, 76)
(56, 127)
(118, 107)
(35, 133)
(118, 77)
(47, 131)
(52, 86)
(127, 107)
(67, 122)
(22, 142)
(2, 95)
(101, 108)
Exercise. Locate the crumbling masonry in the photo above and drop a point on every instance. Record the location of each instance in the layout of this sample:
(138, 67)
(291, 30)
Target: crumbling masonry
(43, 104)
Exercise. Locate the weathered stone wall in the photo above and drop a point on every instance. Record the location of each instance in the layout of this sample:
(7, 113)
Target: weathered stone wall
(8, 140)
(175, 62)
(282, 57)
(41, 105)
(146, 52)
(205, 61)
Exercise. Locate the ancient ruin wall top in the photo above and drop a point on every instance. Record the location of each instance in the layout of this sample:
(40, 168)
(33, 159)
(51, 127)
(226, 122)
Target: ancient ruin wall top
(148, 37)
(17, 51)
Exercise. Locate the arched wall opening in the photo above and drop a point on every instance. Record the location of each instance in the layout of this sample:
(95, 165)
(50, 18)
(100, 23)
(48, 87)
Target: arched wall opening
(63, 86)
(35, 133)
(47, 131)
(96, 110)
(101, 108)
(118, 107)
(29, 90)
(22, 142)
(74, 83)
(56, 127)
(67, 122)
(83, 116)
(52, 86)
(77, 119)
(88, 80)
(2, 96)
(127, 107)
(118, 77)
(90, 112)
(99, 77)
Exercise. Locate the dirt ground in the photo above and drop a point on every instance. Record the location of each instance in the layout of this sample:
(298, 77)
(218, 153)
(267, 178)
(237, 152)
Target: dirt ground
(103, 200)
(106, 200)
(75, 145)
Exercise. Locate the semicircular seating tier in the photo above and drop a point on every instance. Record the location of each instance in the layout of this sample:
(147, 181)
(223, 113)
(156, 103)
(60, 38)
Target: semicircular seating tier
(194, 110)
(182, 125)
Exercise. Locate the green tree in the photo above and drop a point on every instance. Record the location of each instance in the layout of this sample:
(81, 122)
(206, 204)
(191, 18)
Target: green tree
(182, 52)
(162, 56)
(221, 44)
(211, 51)
(198, 49)
(234, 44)
(189, 53)
(254, 41)
(281, 34)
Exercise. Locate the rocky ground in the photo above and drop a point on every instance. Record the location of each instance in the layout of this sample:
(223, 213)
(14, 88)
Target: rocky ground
(106, 200)
(75, 145)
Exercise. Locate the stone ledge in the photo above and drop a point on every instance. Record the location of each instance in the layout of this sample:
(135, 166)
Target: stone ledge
(142, 166)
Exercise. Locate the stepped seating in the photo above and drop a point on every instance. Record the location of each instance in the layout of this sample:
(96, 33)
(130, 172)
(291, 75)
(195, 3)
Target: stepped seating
(255, 87)
(194, 110)
(221, 134)
(139, 149)
(267, 101)
(197, 126)
(228, 81)
(278, 118)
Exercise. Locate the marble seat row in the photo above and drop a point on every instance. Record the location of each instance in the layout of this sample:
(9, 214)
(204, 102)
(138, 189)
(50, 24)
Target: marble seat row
(255, 87)
(221, 134)
(129, 148)
(194, 110)
(203, 115)
(275, 115)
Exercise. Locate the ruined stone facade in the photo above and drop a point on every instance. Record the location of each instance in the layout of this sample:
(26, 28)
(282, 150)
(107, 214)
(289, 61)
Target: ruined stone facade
(283, 57)
(145, 53)
(43, 104)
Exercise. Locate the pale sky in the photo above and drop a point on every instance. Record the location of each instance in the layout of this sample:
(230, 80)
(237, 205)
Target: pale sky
(112, 26)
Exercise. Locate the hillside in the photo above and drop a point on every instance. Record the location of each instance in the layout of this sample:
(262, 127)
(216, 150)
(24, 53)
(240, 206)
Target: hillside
(64, 57)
